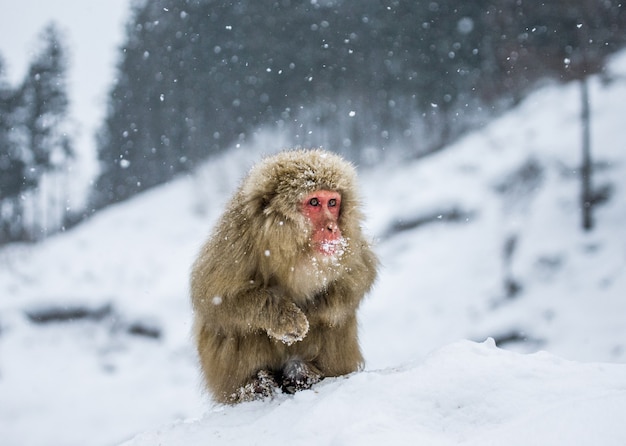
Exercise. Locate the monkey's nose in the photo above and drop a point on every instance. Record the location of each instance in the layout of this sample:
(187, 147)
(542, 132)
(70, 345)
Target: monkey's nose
(332, 227)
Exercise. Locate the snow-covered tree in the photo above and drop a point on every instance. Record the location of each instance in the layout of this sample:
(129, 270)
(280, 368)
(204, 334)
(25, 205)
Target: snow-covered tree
(45, 102)
(35, 144)
(197, 76)
(12, 168)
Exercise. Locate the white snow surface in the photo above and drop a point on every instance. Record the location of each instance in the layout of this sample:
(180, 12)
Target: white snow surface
(433, 375)
(463, 394)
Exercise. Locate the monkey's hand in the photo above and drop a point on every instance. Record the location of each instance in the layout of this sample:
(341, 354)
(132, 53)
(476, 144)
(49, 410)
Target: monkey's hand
(290, 325)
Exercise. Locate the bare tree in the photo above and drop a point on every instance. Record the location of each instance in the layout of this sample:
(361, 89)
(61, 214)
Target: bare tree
(586, 167)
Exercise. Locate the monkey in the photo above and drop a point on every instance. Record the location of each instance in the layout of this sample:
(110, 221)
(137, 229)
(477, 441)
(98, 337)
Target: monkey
(276, 287)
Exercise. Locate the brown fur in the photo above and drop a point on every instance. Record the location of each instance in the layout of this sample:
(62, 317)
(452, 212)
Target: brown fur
(267, 307)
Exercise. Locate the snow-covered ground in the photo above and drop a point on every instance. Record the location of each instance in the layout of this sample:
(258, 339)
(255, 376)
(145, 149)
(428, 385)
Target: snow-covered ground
(463, 394)
(499, 206)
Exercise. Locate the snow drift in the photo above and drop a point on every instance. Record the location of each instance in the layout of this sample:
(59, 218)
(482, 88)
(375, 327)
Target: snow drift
(463, 394)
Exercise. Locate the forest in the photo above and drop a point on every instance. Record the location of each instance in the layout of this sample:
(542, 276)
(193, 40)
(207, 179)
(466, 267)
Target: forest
(368, 79)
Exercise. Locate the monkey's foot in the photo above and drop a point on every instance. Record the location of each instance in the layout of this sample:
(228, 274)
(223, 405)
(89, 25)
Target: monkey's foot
(262, 386)
(298, 375)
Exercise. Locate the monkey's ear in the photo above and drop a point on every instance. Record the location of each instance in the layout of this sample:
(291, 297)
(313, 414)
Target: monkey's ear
(264, 202)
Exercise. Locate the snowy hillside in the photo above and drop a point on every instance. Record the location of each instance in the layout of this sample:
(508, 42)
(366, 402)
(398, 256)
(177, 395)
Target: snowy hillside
(466, 394)
(480, 240)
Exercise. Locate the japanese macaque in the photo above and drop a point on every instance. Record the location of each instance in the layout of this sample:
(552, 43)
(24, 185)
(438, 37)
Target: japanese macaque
(276, 288)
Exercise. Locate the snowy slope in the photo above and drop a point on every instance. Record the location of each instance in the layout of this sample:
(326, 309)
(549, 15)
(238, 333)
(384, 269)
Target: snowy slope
(465, 394)
(517, 179)
(125, 365)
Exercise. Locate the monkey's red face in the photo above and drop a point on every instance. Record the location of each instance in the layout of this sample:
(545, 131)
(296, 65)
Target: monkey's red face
(322, 209)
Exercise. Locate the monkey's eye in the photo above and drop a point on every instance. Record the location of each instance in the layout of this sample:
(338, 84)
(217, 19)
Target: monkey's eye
(314, 202)
(332, 203)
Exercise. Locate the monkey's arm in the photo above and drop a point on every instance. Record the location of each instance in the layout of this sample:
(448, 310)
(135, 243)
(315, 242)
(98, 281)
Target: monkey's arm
(255, 310)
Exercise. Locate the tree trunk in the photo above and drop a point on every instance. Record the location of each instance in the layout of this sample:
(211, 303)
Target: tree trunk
(586, 168)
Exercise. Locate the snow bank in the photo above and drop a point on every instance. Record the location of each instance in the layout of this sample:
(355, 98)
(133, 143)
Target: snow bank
(465, 393)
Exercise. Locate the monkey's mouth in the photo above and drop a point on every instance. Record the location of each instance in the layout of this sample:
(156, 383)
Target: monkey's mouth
(331, 247)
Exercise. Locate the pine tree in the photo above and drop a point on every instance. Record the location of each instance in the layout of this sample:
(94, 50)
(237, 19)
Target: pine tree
(43, 106)
(13, 180)
(44, 96)
(196, 76)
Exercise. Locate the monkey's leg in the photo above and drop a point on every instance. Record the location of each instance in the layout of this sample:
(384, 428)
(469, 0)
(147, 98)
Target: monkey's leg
(339, 352)
(235, 367)
(299, 375)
